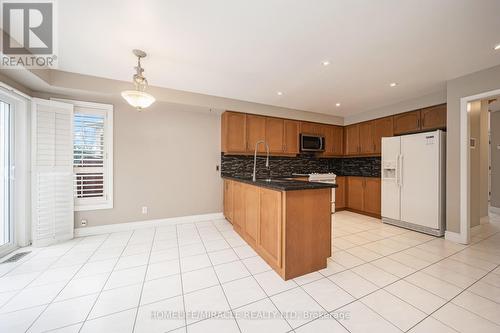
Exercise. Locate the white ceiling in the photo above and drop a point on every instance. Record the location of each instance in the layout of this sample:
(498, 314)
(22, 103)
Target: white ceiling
(249, 50)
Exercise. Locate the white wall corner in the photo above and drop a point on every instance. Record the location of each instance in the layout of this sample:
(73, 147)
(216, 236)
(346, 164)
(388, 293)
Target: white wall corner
(455, 237)
(127, 226)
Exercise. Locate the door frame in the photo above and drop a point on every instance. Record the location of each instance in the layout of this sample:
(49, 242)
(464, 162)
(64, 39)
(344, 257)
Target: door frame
(20, 184)
(464, 235)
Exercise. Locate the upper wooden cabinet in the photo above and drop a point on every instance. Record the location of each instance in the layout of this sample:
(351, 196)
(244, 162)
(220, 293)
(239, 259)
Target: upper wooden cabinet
(234, 138)
(291, 136)
(408, 122)
(311, 128)
(351, 134)
(366, 142)
(433, 117)
(256, 131)
(334, 140)
(275, 134)
(382, 128)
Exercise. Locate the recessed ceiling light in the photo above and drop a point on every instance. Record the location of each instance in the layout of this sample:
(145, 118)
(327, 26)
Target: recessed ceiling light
(279, 93)
(337, 105)
(393, 84)
(497, 47)
(325, 63)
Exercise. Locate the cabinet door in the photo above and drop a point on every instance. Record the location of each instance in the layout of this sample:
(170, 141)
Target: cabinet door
(327, 132)
(310, 128)
(256, 131)
(366, 145)
(408, 122)
(291, 137)
(340, 193)
(338, 140)
(234, 138)
(239, 207)
(269, 241)
(252, 213)
(228, 200)
(275, 133)
(355, 191)
(434, 117)
(352, 139)
(372, 196)
(381, 128)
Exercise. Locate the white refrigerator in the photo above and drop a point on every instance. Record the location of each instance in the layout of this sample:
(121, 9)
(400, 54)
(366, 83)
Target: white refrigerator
(413, 181)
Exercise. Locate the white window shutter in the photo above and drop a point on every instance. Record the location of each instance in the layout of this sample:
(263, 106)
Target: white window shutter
(52, 172)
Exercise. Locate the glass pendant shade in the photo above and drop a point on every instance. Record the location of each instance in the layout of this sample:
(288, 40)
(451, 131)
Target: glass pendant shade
(138, 99)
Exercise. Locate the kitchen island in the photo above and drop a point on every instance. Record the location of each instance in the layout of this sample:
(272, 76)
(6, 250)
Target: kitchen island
(286, 221)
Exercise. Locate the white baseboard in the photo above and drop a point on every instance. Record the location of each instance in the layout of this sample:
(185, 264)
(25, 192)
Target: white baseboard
(108, 228)
(455, 237)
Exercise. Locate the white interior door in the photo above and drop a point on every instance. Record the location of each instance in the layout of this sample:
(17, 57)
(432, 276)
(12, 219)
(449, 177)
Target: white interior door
(420, 179)
(52, 183)
(390, 178)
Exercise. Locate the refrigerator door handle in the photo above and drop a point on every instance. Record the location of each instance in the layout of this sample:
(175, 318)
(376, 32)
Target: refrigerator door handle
(397, 171)
(401, 161)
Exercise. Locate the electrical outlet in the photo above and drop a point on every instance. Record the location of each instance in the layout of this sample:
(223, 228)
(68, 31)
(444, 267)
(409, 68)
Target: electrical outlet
(83, 222)
(144, 210)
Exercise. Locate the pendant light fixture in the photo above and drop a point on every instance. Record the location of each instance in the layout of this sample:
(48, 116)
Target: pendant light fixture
(139, 98)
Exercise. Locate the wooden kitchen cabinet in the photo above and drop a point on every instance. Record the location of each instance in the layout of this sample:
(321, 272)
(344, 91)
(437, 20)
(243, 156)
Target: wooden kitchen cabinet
(228, 200)
(433, 118)
(406, 123)
(355, 193)
(351, 134)
(382, 128)
(291, 136)
(366, 144)
(363, 195)
(256, 131)
(234, 139)
(269, 240)
(275, 134)
(334, 140)
(311, 128)
(238, 207)
(372, 196)
(252, 213)
(340, 192)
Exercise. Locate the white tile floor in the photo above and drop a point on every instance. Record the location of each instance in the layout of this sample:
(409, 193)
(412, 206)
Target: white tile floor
(379, 279)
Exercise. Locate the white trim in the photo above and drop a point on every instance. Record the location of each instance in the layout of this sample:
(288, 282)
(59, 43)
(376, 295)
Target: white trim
(107, 109)
(14, 91)
(465, 165)
(127, 226)
(455, 237)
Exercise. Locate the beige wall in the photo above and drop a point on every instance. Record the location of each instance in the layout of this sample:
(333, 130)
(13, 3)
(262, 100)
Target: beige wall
(474, 155)
(483, 81)
(495, 159)
(165, 158)
(484, 160)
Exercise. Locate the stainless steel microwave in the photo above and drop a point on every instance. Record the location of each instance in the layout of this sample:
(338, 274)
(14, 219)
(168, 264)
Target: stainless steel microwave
(309, 142)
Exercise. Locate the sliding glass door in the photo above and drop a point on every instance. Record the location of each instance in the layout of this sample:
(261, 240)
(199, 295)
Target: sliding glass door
(6, 150)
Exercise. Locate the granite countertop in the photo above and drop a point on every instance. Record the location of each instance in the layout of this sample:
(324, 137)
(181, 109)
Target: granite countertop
(283, 184)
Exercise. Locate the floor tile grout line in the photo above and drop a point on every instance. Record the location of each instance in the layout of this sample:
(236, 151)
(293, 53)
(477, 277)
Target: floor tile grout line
(143, 282)
(180, 276)
(450, 301)
(47, 306)
(221, 287)
(40, 273)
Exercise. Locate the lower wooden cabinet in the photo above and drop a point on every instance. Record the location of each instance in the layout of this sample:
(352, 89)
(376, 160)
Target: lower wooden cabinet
(252, 213)
(364, 195)
(269, 240)
(228, 200)
(340, 193)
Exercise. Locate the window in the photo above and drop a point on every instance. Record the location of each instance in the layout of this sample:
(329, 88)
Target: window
(92, 155)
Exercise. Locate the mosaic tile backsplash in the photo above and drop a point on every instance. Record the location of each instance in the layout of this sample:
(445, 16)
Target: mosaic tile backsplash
(242, 166)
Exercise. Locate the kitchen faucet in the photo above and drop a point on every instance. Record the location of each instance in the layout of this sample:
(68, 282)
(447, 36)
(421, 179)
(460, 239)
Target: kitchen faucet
(254, 177)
